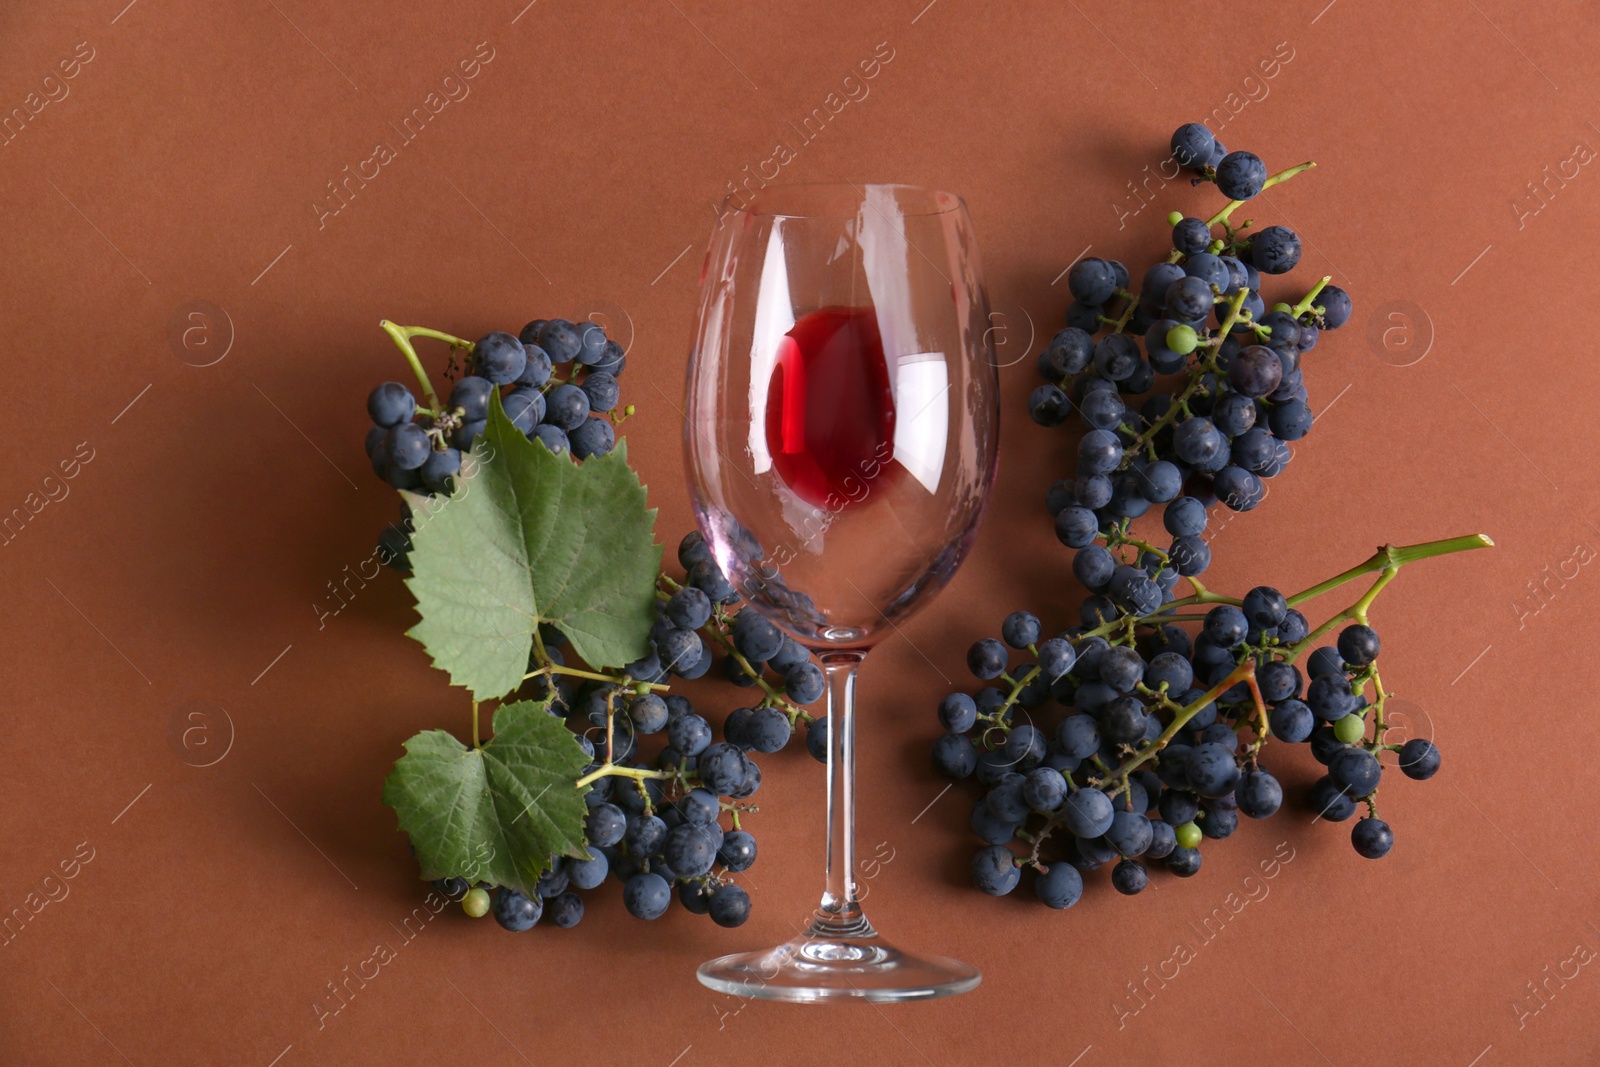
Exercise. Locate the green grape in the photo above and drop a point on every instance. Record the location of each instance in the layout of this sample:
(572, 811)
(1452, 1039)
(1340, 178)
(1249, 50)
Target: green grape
(1182, 339)
(1350, 729)
(476, 902)
(1188, 835)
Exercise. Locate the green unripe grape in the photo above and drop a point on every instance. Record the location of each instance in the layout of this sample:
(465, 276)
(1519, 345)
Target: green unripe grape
(1174, 217)
(1350, 729)
(1281, 306)
(1182, 339)
(1188, 835)
(476, 902)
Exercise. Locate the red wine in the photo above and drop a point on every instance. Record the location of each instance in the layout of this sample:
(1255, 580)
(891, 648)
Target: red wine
(830, 407)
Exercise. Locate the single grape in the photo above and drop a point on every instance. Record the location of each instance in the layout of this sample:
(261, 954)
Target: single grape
(476, 902)
(391, 404)
(1059, 887)
(566, 910)
(1020, 629)
(756, 638)
(1275, 250)
(769, 730)
(1350, 729)
(536, 367)
(1372, 838)
(954, 756)
(566, 407)
(498, 357)
(595, 437)
(1092, 281)
(516, 912)
(1356, 771)
(1330, 801)
(1291, 721)
(1192, 145)
(440, 468)
(1259, 794)
(604, 825)
(407, 446)
(1241, 175)
(1419, 759)
(1184, 860)
(589, 872)
(1191, 236)
(987, 659)
(647, 896)
(1087, 812)
(1212, 769)
(995, 871)
(1358, 644)
(730, 906)
(552, 437)
(805, 683)
(1335, 304)
(471, 396)
(1129, 877)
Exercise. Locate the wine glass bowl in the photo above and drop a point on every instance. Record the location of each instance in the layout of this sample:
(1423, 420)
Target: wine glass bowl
(841, 433)
(842, 415)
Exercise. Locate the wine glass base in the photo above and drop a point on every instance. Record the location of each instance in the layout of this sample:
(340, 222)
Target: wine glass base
(816, 968)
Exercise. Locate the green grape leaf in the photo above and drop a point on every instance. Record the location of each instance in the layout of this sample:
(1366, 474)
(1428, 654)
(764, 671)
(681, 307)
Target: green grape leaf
(530, 537)
(495, 814)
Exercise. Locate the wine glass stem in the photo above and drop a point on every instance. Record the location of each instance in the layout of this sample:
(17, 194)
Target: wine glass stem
(840, 914)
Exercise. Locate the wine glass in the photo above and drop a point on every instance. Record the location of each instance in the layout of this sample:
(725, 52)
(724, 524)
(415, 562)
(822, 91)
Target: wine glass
(841, 435)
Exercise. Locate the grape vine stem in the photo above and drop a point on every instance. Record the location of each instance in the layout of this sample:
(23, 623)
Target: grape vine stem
(402, 336)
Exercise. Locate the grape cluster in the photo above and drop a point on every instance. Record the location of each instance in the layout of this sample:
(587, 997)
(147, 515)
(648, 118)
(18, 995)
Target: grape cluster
(655, 824)
(1158, 746)
(557, 382)
(1239, 397)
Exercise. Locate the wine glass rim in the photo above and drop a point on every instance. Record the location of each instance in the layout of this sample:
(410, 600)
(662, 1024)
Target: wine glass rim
(939, 201)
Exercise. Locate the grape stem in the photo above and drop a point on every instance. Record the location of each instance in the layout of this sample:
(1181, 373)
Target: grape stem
(1305, 302)
(1279, 178)
(1388, 560)
(402, 336)
(476, 742)
(1206, 365)
(595, 676)
(615, 771)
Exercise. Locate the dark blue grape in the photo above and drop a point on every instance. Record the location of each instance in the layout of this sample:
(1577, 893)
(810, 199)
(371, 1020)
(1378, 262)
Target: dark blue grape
(1087, 813)
(552, 437)
(1192, 145)
(1291, 721)
(536, 367)
(516, 912)
(1335, 304)
(1358, 644)
(559, 338)
(1092, 281)
(647, 896)
(1048, 405)
(1241, 175)
(1226, 626)
(1020, 629)
(390, 404)
(1419, 759)
(995, 871)
(1331, 801)
(1275, 250)
(498, 357)
(1191, 235)
(602, 390)
(1356, 771)
(954, 756)
(1291, 420)
(1212, 769)
(1259, 794)
(1059, 887)
(1129, 877)
(729, 906)
(566, 910)
(567, 407)
(1189, 299)
(1372, 838)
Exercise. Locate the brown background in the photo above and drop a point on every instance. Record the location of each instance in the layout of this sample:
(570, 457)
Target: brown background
(184, 571)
